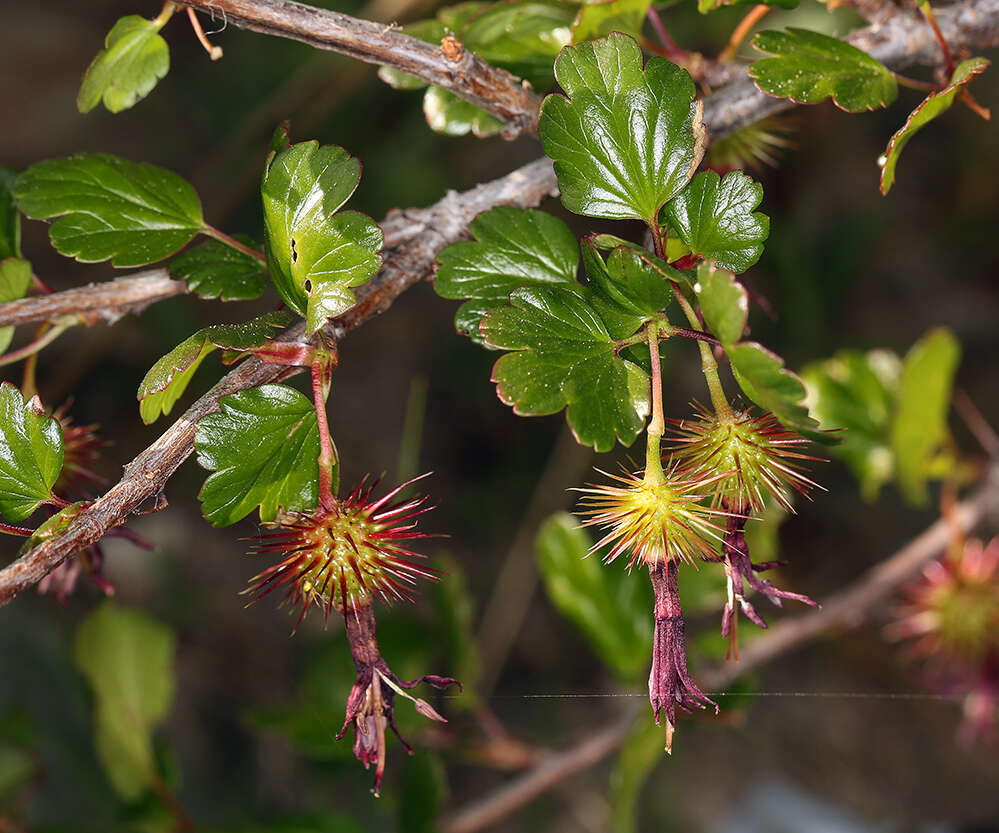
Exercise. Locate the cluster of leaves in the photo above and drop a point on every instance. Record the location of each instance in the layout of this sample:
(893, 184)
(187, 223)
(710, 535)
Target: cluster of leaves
(892, 412)
(570, 344)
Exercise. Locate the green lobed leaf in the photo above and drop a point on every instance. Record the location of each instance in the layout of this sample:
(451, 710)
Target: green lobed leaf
(932, 106)
(625, 140)
(808, 67)
(640, 752)
(133, 60)
(607, 605)
(564, 357)
(108, 207)
(716, 218)
(215, 270)
(167, 380)
(128, 660)
(10, 218)
(262, 449)
(30, 454)
(512, 247)
(15, 278)
(724, 303)
(315, 255)
(627, 291)
(856, 393)
(764, 379)
(453, 116)
(919, 429)
(605, 16)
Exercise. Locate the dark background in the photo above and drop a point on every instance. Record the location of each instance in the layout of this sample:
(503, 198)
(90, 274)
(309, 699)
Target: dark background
(844, 267)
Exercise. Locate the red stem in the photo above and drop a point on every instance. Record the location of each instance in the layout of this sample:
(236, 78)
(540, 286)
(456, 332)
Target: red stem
(222, 237)
(927, 11)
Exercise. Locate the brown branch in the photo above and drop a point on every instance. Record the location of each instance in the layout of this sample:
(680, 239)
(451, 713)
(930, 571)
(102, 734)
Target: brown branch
(106, 301)
(447, 65)
(849, 608)
(428, 230)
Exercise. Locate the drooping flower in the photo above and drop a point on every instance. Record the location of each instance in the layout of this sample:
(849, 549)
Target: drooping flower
(950, 617)
(757, 455)
(655, 522)
(341, 557)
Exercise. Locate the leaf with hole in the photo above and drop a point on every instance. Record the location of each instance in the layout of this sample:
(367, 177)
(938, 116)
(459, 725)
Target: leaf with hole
(315, 254)
(808, 67)
(30, 454)
(262, 449)
(563, 357)
(109, 208)
(716, 219)
(932, 106)
(215, 270)
(625, 140)
(133, 60)
(512, 247)
(167, 380)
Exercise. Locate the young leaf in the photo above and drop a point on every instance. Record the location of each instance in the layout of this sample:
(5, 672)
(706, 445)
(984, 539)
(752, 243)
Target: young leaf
(511, 248)
(627, 290)
(15, 278)
(716, 218)
(10, 219)
(857, 393)
(606, 604)
(133, 59)
(626, 140)
(808, 67)
(30, 454)
(453, 116)
(920, 425)
(764, 379)
(128, 660)
(605, 16)
(215, 270)
(167, 380)
(108, 207)
(932, 106)
(724, 303)
(565, 357)
(314, 254)
(262, 448)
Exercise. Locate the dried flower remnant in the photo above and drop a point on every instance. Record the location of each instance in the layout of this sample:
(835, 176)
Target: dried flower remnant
(341, 556)
(951, 618)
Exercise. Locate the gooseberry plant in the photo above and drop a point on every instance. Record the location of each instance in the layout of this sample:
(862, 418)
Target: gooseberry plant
(582, 325)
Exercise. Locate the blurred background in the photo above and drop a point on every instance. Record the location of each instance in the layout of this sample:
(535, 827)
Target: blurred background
(249, 740)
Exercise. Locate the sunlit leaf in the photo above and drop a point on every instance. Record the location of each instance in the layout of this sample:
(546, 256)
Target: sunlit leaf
(808, 67)
(30, 454)
(605, 16)
(453, 116)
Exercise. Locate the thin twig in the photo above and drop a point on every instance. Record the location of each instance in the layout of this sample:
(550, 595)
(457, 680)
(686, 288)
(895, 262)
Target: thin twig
(449, 65)
(849, 608)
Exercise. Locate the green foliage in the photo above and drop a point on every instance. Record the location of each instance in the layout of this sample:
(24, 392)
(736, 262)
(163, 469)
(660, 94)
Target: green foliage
(564, 357)
(605, 16)
(30, 454)
(262, 448)
(128, 660)
(640, 752)
(108, 207)
(716, 218)
(133, 60)
(167, 380)
(511, 248)
(808, 67)
(760, 373)
(451, 115)
(15, 278)
(215, 270)
(627, 291)
(10, 218)
(608, 162)
(315, 254)
(932, 106)
(609, 606)
(893, 413)
(920, 426)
